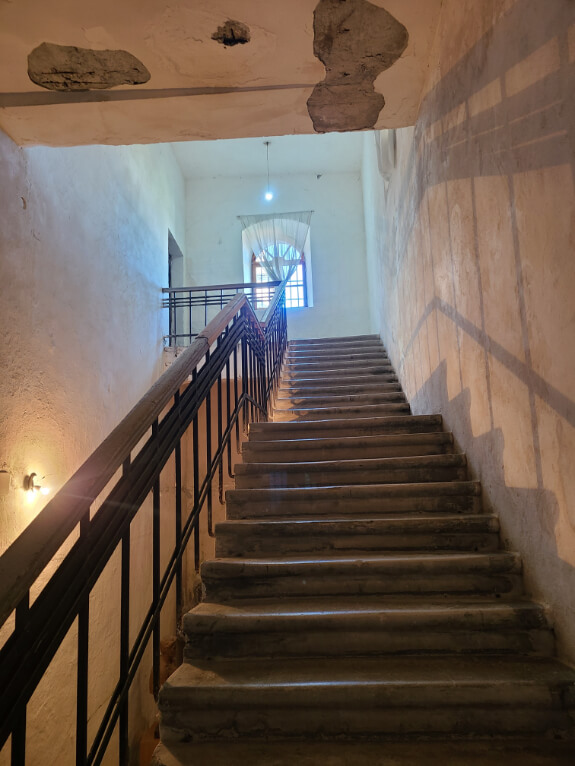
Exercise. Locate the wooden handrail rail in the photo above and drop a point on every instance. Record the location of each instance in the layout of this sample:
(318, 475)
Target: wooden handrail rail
(31, 552)
(237, 285)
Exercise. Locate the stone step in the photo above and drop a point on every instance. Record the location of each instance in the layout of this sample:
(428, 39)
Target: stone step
(292, 536)
(390, 445)
(283, 402)
(348, 411)
(350, 340)
(341, 379)
(367, 697)
(323, 354)
(532, 751)
(336, 364)
(435, 497)
(499, 574)
(390, 470)
(331, 374)
(365, 626)
(392, 424)
(319, 391)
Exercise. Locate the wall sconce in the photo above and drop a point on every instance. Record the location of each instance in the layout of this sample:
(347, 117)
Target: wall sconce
(31, 486)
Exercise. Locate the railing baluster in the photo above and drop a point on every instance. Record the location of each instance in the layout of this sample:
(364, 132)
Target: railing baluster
(196, 477)
(156, 575)
(82, 667)
(236, 397)
(229, 405)
(209, 451)
(220, 434)
(18, 745)
(178, 521)
(124, 741)
(190, 318)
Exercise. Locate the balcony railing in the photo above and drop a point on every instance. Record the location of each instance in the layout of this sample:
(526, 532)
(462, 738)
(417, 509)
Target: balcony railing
(191, 308)
(222, 381)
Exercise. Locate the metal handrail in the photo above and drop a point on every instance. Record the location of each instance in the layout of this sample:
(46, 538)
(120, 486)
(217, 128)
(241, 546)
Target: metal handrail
(240, 286)
(190, 307)
(234, 342)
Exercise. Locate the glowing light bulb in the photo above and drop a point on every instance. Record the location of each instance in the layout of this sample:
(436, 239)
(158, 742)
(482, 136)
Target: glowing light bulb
(269, 196)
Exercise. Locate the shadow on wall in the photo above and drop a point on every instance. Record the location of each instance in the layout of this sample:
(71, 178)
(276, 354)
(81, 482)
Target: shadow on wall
(537, 501)
(481, 270)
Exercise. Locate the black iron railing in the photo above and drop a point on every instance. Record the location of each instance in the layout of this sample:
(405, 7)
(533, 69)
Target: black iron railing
(223, 380)
(191, 308)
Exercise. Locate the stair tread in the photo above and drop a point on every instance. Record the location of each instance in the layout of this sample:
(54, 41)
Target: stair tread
(309, 675)
(541, 752)
(326, 401)
(358, 490)
(359, 607)
(387, 522)
(380, 440)
(390, 420)
(358, 464)
(362, 525)
(340, 562)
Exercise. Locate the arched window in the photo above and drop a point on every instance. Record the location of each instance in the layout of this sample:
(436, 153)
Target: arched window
(273, 247)
(296, 288)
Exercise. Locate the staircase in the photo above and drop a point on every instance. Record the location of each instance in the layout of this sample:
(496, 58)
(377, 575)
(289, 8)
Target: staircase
(359, 594)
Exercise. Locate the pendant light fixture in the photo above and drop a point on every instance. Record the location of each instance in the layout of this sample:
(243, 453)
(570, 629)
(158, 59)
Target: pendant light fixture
(269, 194)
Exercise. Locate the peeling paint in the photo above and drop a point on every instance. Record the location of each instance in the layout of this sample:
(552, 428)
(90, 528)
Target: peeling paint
(67, 68)
(356, 41)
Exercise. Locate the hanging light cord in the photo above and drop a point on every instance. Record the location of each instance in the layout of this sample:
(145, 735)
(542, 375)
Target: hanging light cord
(267, 143)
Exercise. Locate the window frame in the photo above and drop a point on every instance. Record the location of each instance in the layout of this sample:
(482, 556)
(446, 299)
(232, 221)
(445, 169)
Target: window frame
(257, 266)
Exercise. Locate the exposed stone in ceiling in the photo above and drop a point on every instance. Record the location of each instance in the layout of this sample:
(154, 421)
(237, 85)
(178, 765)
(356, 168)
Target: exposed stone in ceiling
(356, 41)
(232, 33)
(205, 81)
(64, 67)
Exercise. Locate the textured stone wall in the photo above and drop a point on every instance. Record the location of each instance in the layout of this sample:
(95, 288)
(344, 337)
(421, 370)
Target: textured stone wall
(470, 253)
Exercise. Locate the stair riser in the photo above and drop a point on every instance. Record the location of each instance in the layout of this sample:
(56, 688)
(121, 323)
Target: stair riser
(365, 346)
(302, 368)
(319, 643)
(273, 505)
(461, 583)
(318, 392)
(303, 454)
(352, 341)
(350, 477)
(335, 377)
(271, 716)
(354, 384)
(293, 402)
(402, 424)
(333, 413)
(252, 545)
(358, 359)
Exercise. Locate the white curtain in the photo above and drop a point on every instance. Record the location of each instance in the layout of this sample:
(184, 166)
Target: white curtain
(277, 240)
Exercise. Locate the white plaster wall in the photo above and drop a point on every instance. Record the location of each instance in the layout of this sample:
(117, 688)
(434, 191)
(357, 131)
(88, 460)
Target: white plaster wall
(214, 242)
(471, 260)
(83, 257)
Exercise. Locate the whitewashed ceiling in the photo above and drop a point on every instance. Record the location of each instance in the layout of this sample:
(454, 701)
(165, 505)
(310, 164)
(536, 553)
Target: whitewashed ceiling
(331, 152)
